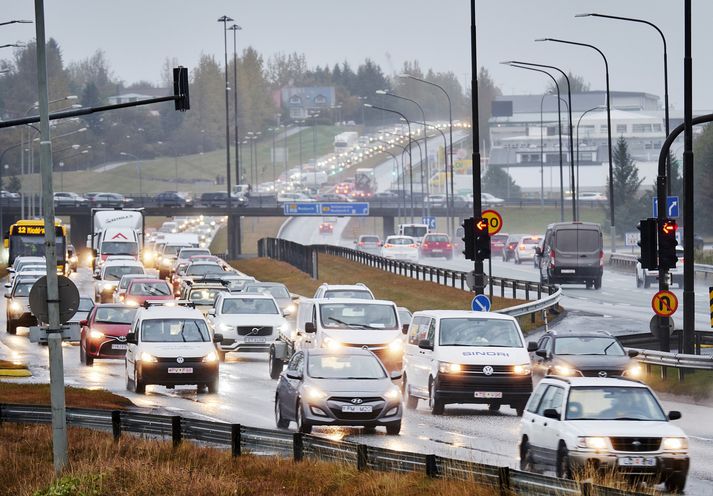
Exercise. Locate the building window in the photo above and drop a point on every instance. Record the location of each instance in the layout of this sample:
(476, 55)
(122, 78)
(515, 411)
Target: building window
(603, 129)
(657, 128)
(621, 128)
(320, 100)
(295, 100)
(641, 128)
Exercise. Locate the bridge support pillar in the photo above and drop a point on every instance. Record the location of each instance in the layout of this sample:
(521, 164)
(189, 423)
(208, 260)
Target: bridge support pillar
(389, 226)
(234, 237)
(80, 226)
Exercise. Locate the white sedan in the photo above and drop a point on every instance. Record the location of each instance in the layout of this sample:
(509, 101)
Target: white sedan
(400, 248)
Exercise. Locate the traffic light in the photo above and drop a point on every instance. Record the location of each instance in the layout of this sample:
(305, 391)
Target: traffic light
(667, 244)
(180, 88)
(648, 242)
(469, 238)
(482, 239)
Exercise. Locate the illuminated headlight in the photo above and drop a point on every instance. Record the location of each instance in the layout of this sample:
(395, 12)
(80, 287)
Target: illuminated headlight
(396, 346)
(16, 306)
(132, 303)
(314, 393)
(94, 334)
(148, 358)
(166, 261)
(449, 368)
(522, 369)
(393, 394)
(634, 371)
(674, 443)
(89, 259)
(283, 328)
(74, 259)
(149, 256)
(108, 287)
(291, 308)
(331, 343)
(211, 357)
(566, 371)
(594, 443)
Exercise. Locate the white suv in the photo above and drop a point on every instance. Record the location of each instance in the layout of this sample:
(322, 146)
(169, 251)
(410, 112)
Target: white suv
(645, 277)
(602, 424)
(358, 291)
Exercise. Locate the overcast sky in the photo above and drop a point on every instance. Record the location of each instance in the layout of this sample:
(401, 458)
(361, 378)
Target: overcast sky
(138, 35)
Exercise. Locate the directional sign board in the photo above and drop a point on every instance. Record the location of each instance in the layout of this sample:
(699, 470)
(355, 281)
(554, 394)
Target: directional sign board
(664, 303)
(672, 207)
(344, 208)
(480, 303)
(430, 222)
(632, 238)
(495, 221)
(301, 208)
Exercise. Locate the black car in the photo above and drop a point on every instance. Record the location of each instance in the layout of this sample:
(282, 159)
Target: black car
(583, 354)
(109, 200)
(220, 199)
(173, 199)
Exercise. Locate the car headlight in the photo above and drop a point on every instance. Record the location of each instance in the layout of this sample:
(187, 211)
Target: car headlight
(166, 261)
(396, 346)
(73, 259)
(224, 327)
(291, 308)
(284, 327)
(148, 358)
(566, 371)
(394, 393)
(314, 393)
(16, 306)
(635, 371)
(594, 443)
(211, 357)
(449, 368)
(674, 443)
(331, 343)
(94, 334)
(524, 369)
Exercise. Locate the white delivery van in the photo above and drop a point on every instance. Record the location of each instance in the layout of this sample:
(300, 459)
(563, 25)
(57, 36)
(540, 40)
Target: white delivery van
(455, 356)
(415, 231)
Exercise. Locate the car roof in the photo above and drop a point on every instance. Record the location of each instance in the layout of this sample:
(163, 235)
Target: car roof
(596, 381)
(463, 314)
(358, 301)
(358, 286)
(123, 263)
(245, 296)
(169, 312)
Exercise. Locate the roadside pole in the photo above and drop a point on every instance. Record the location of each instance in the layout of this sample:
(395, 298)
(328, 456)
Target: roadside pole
(54, 336)
(479, 286)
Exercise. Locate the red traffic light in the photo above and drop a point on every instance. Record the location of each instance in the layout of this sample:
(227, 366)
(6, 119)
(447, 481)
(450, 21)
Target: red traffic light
(669, 226)
(482, 225)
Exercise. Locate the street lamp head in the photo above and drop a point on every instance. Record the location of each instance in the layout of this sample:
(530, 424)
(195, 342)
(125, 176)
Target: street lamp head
(81, 130)
(542, 39)
(405, 75)
(234, 27)
(124, 154)
(585, 15)
(368, 105)
(71, 97)
(381, 92)
(225, 19)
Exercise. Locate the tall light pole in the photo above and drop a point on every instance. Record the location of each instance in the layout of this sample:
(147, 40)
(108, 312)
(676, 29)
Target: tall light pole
(225, 20)
(15, 21)
(665, 72)
(299, 132)
(578, 121)
(235, 28)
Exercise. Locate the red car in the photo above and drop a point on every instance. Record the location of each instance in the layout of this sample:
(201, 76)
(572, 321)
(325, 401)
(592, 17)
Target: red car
(141, 290)
(497, 243)
(103, 334)
(436, 245)
(326, 228)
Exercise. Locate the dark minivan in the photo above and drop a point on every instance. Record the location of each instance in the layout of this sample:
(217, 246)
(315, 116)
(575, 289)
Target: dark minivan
(572, 252)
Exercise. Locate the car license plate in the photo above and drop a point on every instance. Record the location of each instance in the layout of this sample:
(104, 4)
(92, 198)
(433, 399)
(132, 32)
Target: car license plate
(255, 339)
(118, 346)
(637, 461)
(180, 370)
(437, 251)
(567, 271)
(356, 409)
(488, 394)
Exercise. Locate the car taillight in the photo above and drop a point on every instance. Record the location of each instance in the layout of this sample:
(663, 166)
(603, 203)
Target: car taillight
(448, 245)
(601, 258)
(387, 245)
(552, 259)
(413, 246)
(425, 245)
(360, 243)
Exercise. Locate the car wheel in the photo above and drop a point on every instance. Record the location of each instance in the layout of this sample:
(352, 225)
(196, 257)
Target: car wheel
(11, 327)
(435, 404)
(598, 283)
(563, 468)
(517, 260)
(647, 283)
(589, 284)
(302, 425)
(519, 409)
(83, 357)
(280, 421)
(526, 464)
(275, 365)
(675, 483)
(393, 429)
(214, 385)
(411, 401)
(139, 386)
(494, 407)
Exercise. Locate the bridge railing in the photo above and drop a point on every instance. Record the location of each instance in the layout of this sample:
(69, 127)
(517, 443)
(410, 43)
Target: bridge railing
(628, 262)
(242, 440)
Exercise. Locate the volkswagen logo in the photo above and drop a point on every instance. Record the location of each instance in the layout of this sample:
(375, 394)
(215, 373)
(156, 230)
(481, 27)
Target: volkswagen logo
(121, 338)
(357, 401)
(488, 370)
(602, 373)
(179, 360)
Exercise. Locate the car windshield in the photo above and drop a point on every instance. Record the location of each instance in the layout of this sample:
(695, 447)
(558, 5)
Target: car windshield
(344, 367)
(492, 333)
(358, 316)
(115, 315)
(189, 253)
(530, 241)
(173, 249)
(369, 239)
(279, 292)
(415, 231)
(85, 304)
(437, 239)
(358, 294)
(400, 241)
(500, 238)
(583, 345)
(205, 296)
(243, 306)
(119, 248)
(577, 240)
(613, 403)
(204, 269)
(115, 272)
(174, 331)
(405, 316)
(150, 288)
(23, 289)
(124, 282)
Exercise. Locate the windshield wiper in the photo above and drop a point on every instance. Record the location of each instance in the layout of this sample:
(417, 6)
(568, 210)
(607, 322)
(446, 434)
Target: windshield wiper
(362, 326)
(629, 418)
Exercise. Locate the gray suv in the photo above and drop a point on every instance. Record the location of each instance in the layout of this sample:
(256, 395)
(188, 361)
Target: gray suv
(572, 253)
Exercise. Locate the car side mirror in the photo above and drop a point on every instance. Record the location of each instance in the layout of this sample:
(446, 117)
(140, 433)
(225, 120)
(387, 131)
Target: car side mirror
(293, 374)
(131, 338)
(8, 295)
(395, 375)
(8, 285)
(310, 328)
(355, 241)
(211, 312)
(632, 353)
(97, 277)
(425, 344)
(541, 353)
(217, 338)
(83, 322)
(674, 415)
(551, 413)
(404, 329)
(531, 346)
(538, 250)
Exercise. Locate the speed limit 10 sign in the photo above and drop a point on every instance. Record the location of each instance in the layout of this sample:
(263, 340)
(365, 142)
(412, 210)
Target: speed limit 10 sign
(495, 221)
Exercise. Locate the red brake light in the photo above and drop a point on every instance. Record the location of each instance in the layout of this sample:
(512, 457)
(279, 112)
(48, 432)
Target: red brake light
(552, 259)
(601, 258)
(425, 244)
(413, 246)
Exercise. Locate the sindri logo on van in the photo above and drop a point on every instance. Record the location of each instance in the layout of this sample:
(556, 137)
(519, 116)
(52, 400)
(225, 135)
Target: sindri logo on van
(486, 353)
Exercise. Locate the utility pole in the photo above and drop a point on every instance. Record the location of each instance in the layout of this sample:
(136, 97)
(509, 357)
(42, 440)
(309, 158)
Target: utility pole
(689, 301)
(479, 286)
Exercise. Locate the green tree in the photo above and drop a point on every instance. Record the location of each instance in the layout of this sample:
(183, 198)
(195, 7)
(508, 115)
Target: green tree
(13, 184)
(629, 205)
(498, 182)
(487, 91)
(703, 184)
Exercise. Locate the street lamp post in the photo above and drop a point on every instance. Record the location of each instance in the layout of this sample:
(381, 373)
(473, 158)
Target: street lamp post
(578, 121)
(225, 20)
(402, 185)
(235, 28)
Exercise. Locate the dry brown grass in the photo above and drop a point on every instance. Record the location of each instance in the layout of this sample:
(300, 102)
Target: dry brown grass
(39, 394)
(147, 467)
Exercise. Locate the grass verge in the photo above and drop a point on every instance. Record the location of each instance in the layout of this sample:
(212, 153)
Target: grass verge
(11, 369)
(39, 394)
(697, 384)
(148, 467)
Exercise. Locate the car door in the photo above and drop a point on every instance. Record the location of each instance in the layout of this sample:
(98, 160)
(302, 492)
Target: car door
(547, 430)
(132, 351)
(289, 392)
(412, 353)
(541, 364)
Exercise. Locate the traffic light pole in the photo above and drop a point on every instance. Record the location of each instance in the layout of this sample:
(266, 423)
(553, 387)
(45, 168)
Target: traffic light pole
(689, 301)
(479, 286)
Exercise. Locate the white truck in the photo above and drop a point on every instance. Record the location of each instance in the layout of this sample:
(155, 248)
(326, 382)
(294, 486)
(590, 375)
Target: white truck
(115, 232)
(344, 142)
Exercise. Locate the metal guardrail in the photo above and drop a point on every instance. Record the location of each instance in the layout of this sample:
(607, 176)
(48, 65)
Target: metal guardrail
(303, 257)
(504, 480)
(628, 261)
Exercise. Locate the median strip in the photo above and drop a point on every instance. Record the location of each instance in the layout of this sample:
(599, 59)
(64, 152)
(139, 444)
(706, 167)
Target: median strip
(11, 369)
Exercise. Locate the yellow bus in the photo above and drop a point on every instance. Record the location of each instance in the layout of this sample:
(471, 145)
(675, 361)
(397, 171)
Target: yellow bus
(27, 238)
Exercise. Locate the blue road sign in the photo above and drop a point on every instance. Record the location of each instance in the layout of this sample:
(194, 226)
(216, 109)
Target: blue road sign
(429, 221)
(301, 208)
(480, 303)
(672, 207)
(344, 209)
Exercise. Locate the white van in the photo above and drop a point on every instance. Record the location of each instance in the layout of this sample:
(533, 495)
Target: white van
(415, 231)
(455, 356)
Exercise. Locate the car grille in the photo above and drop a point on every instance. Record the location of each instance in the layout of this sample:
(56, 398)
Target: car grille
(636, 443)
(335, 404)
(478, 369)
(227, 342)
(458, 383)
(249, 331)
(185, 359)
(602, 372)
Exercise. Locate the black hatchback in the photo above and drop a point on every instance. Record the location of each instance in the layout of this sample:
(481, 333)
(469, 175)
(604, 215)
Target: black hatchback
(220, 199)
(173, 199)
